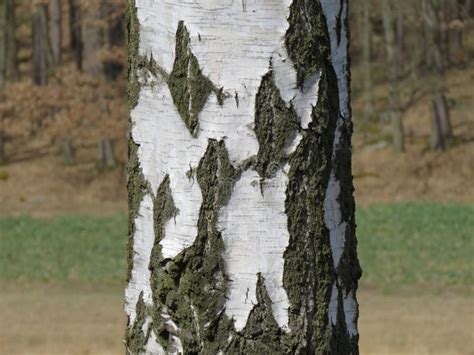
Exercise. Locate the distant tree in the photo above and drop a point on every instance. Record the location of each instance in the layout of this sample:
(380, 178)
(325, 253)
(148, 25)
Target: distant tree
(441, 133)
(393, 70)
(8, 58)
(367, 58)
(75, 31)
(40, 42)
(55, 30)
(92, 37)
(3, 43)
(400, 32)
(8, 52)
(95, 34)
(3, 51)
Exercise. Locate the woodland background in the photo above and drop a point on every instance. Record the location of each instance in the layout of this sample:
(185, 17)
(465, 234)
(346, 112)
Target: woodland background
(63, 154)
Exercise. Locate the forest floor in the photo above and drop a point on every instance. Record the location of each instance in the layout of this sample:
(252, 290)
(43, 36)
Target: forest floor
(415, 226)
(35, 181)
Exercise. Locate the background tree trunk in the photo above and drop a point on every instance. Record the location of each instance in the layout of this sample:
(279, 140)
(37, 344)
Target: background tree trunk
(2, 136)
(107, 155)
(242, 233)
(94, 33)
(106, 148)
(92, 37)
(400, 26)
(3, 52)
(41, 49)
(395, 111)
(3, 43)
(55, 30)
(8, 60)
(69, 153)
(442, 18)
(366, 59)
(75, 32)
(441, 133)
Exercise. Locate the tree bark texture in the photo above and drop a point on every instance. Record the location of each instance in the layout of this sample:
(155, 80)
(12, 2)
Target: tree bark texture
(241, 231)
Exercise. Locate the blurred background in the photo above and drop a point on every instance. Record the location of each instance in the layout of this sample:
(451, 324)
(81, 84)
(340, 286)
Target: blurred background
(63, 155)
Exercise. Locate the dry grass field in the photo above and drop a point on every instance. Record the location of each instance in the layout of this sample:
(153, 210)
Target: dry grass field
(88, 319)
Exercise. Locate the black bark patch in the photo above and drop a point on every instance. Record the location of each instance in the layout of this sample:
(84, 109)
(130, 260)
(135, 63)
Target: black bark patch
(137, 187)
(307, 40)
(136, 183)
(340, 342)
(136, 338)
(275, 127)
(191, 288)
(133, 42)
(189, 88)
(309, 273)
(348, 270)
(261, 335)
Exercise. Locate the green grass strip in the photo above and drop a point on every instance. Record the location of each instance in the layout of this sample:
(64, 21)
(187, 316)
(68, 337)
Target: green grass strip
(399, 244)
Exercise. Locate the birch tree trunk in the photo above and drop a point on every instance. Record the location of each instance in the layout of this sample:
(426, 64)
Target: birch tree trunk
(242, 234)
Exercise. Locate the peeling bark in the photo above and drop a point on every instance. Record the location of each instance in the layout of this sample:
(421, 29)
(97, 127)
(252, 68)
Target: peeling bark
(240, 144)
